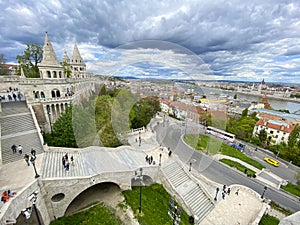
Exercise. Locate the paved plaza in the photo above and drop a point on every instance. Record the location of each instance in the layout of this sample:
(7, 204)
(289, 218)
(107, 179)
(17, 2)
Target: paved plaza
(243, 209)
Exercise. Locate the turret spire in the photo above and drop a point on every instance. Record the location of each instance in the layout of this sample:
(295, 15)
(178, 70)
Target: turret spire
(49, 56)
(76, 57)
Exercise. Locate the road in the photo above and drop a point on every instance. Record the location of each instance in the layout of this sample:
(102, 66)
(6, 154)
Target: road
(169, 134)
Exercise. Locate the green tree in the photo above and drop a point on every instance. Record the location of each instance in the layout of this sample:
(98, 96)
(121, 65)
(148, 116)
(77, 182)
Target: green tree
(235, 96)
(63, 135)
(263, 136)
(29, 60)
(298, 177)
(143, 111)
(102, 90)
(294, 137)
(3, 68)
(67, 70)
(245, 112)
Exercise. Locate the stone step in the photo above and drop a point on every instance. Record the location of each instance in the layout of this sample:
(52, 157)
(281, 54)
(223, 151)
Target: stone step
(202, 212)
(53, 167)
(176, 174)
(17, 127)
(17, 123)
(191, 195)
(28, 141)
(171, 169)
(199, 203)
(9, 108)
(180, 180)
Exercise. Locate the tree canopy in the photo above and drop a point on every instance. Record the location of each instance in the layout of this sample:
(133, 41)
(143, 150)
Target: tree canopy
(100, 120)
(3, 69)
(29, 60)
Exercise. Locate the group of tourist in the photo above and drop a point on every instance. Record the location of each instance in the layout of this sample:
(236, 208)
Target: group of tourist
(12, 94)
(31, 158)
(6, 195)
(16, 149)
(66, 163)
(27, 158)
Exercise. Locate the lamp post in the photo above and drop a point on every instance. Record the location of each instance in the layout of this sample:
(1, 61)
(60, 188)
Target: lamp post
(32, 160)
(36, 211)
(140, 138)
(191, 163)
(49, 117)
(262, 195)
(160, 159)
(217, 190)
(140, 177)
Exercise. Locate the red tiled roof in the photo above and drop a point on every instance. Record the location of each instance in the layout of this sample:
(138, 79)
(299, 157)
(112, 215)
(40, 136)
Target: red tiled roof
(266, 123)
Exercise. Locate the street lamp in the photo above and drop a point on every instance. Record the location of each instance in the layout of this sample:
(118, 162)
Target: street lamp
(32, 160)
(191, 162)
(160, 159)
(217, 190)
(140, 177)
(140, 138)
(49, 117)
(262, 195)
(33, 198)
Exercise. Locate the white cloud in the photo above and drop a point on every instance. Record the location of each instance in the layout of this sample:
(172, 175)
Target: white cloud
(230, 36)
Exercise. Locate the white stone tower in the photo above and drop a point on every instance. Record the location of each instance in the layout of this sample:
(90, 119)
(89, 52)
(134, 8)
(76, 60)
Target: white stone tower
(50, 67)
(77, 65)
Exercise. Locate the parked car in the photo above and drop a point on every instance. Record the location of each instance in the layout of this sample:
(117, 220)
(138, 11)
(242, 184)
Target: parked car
(271, 161)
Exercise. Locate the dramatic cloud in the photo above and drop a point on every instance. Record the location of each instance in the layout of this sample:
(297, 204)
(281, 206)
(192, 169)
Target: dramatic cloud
(235, 39)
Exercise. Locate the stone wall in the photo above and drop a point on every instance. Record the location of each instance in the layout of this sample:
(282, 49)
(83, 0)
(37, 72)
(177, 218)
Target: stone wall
(71, 188)
(12, 209)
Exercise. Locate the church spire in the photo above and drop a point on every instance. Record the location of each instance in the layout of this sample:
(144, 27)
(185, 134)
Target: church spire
(49, 56)
(76, 57)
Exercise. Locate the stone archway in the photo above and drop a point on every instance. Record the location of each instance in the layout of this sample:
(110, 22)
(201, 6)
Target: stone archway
(109, 193)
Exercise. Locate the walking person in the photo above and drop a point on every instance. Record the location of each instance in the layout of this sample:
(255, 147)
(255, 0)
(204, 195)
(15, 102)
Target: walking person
(237, 191)
(67, 165)
(14, 148)
(26, 158)
(33, 152)
(228, 191)
(223, 195)
(72, 160)
(20, 149)
(64, 162)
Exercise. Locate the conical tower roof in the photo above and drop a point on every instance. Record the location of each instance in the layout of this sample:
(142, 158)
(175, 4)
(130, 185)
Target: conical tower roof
(76, 57)
(49, 56)
(66, 57)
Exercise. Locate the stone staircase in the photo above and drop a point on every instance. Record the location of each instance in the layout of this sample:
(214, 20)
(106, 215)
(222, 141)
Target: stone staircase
(53, 167)
(17, 127)
(191, 192)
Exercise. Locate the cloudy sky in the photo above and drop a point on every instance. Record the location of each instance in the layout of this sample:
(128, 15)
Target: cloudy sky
(219, 39)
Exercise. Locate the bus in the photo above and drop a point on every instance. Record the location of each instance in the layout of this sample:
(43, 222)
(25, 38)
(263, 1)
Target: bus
(220, 134)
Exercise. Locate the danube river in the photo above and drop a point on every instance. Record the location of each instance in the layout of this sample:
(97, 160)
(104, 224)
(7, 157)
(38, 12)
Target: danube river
(213, 93)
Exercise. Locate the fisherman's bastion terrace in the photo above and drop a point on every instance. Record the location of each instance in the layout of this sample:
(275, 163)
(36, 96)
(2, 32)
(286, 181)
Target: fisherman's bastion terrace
(44, 191)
